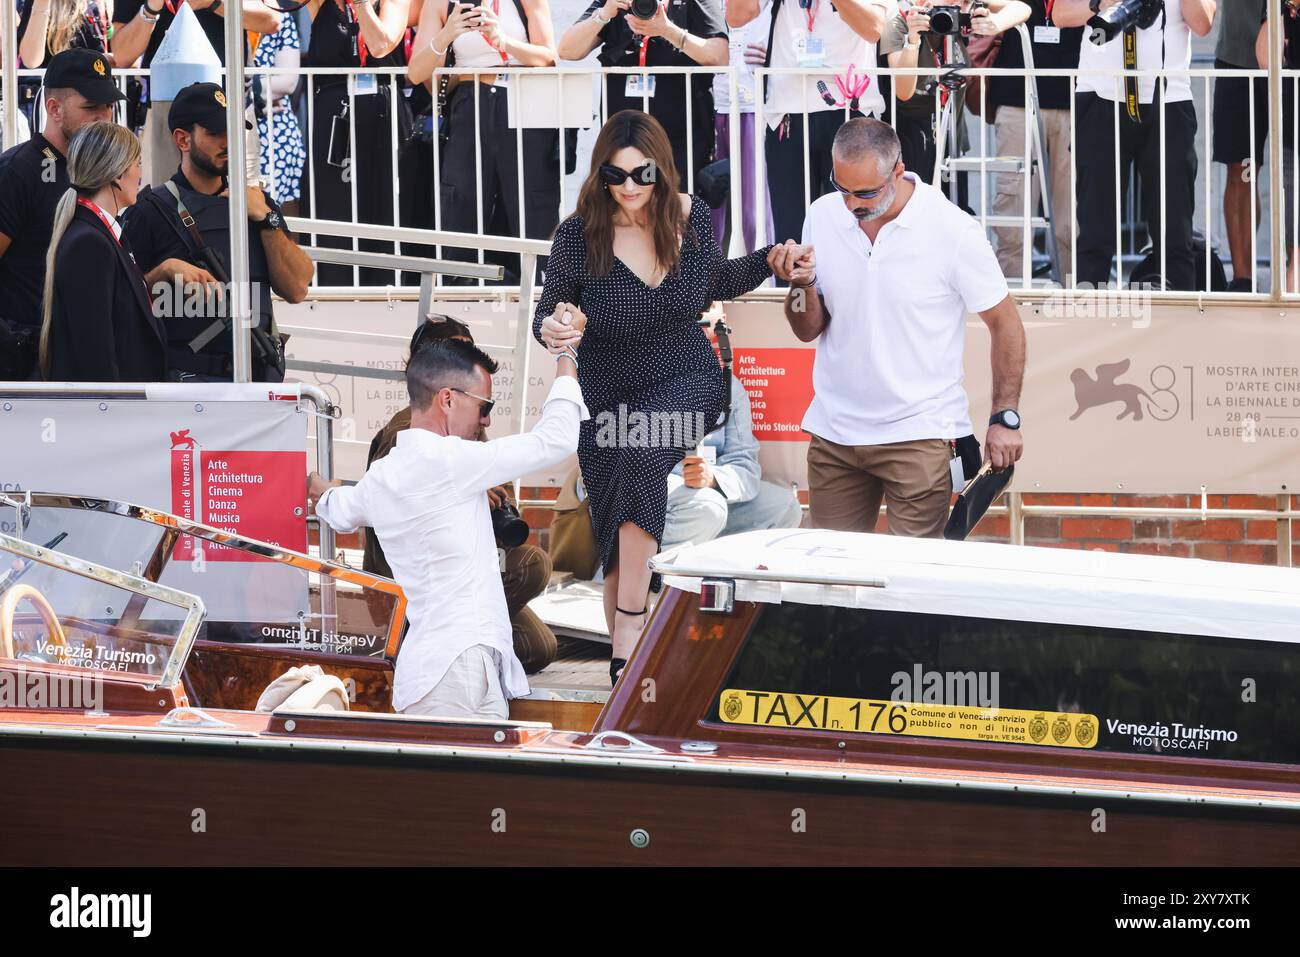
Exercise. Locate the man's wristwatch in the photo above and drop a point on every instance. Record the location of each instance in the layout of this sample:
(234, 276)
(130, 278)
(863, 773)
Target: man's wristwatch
(1008, 418)
(273, 220)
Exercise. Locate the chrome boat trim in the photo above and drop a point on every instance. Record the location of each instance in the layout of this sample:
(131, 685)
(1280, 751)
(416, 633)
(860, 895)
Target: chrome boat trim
(576, 757)
(193, 604)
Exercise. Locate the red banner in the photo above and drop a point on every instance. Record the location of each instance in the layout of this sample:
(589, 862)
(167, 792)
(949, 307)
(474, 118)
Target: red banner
(257, 494)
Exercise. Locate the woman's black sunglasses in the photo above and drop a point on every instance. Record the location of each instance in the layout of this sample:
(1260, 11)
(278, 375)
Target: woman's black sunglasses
(617, 176)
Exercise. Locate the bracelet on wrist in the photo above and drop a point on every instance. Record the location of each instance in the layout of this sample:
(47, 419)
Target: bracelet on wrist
(434, 47)
(809, 284)
(599, 17)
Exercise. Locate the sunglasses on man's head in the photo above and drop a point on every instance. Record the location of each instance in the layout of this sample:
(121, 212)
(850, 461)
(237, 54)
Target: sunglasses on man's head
(484, 405)
(617, 176)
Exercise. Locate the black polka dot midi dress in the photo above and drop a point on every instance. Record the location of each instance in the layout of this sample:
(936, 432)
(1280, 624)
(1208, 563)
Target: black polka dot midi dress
(644, 351)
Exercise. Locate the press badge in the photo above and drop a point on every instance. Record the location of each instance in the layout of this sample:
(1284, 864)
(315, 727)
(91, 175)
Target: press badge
(1046, 34)
(639, 84)
(958, 476)
(810, 52)
(362, 84)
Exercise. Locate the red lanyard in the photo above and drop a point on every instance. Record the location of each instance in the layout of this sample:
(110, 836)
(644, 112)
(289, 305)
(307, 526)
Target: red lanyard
(1048, 16)
(811, 14)
(358, 41)
(496, 11)
(646, 40)
(99, 27)
(108, 223)
(171, 7)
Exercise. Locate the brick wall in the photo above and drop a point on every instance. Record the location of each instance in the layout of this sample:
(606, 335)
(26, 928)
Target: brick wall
(1222, 539)
(1252, 541)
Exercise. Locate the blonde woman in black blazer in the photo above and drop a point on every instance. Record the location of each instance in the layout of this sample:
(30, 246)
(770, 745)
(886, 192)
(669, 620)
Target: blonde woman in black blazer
(99, 324)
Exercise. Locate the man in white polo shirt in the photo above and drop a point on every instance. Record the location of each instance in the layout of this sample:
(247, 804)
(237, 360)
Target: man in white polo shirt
(1162, 44)
(897, 269)
(813, 35)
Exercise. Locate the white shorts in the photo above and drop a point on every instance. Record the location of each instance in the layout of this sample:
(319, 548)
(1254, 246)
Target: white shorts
(471, 688)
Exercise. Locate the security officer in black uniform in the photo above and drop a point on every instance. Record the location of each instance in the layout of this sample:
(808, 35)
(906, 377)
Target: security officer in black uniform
(79, 90)
(188, 218)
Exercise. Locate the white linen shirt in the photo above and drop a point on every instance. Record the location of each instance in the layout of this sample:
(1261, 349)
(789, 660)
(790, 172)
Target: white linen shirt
(842, 47)
(1170, 48)
(427, 502)
(889, 362)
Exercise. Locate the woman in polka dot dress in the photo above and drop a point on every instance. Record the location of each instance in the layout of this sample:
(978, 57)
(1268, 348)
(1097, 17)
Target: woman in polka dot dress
(628, 276)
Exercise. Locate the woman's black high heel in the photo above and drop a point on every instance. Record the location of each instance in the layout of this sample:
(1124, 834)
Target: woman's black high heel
(616, 665)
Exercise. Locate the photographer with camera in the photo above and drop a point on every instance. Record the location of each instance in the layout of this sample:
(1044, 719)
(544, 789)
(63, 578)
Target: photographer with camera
(813, 35)
(657, 33)
(525, 568)
(912, 40)
(427, 501)
(1135, 35)
(180, 232)
(1053, 49)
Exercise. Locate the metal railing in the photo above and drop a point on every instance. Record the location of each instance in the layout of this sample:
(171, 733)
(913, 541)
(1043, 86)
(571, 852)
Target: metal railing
(981, 166)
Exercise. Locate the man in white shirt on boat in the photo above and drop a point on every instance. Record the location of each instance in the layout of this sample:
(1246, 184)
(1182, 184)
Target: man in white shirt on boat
(427, 501)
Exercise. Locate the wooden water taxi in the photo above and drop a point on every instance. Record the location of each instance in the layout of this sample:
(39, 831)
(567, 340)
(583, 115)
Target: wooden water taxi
(799, 697)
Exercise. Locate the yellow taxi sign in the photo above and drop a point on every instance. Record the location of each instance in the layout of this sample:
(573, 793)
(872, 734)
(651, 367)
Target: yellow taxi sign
(774, 709)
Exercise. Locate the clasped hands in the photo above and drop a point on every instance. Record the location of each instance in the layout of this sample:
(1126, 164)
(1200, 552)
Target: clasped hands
(563, 328)
(793, 263)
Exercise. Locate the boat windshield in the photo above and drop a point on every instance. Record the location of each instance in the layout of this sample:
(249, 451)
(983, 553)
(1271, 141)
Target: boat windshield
(58, 610)
(254, 591)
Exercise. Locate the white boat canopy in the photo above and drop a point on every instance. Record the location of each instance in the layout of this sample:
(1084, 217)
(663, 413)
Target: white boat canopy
(986, 580)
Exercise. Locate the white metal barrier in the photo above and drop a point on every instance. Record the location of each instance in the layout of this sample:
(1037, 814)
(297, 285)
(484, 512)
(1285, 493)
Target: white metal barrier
(1200, 78)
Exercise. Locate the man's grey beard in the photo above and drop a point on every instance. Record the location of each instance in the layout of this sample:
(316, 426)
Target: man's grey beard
(875, 212)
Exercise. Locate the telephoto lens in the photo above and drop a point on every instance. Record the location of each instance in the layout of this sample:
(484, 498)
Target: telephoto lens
(645, 9)
(1110, 23)
(510, 530)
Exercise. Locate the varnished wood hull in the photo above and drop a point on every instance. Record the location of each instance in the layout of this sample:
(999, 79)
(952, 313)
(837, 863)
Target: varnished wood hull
(105, 802)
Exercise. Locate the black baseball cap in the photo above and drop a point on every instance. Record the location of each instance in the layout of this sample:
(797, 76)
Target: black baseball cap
(201, 103)
(87, 72)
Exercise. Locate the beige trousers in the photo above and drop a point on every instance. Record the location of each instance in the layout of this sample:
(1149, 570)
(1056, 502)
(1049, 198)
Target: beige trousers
(847, 482)
(471, 688)
(1008, 199)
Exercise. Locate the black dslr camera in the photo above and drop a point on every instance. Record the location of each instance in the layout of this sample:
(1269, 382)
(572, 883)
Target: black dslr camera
(949, 21)
(510, 530)
(644, 9)
(1106, 26)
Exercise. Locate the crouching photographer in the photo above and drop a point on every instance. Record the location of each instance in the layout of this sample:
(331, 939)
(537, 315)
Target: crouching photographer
(525, 568)
(1136, 35)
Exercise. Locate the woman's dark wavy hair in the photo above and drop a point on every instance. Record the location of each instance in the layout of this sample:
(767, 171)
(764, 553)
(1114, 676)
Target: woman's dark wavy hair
(596, 206)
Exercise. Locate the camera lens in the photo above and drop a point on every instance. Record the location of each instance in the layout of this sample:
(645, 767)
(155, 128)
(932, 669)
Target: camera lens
(944, 20)
(645, 9)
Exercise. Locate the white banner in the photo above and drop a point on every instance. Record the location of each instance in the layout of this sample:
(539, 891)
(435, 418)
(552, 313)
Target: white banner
(1122, 396)
(233, 457)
